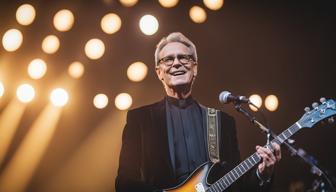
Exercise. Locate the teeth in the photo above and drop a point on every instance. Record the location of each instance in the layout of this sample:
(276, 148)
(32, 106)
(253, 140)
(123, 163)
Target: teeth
(179, 73)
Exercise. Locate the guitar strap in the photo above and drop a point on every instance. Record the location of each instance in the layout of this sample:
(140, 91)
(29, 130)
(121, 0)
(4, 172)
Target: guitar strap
(213, 127)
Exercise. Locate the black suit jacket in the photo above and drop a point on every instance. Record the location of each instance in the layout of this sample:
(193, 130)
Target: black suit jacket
(145, 163)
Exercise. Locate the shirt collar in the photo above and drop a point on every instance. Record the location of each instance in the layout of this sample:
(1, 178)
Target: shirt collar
(181, 103)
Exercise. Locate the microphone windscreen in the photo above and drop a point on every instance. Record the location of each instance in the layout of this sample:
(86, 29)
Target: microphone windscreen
(223, 97)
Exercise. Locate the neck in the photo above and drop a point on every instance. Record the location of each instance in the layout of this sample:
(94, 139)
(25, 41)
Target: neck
(179, 92)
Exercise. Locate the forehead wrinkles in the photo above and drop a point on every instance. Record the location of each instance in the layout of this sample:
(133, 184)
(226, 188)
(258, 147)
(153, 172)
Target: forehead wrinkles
(174, 48)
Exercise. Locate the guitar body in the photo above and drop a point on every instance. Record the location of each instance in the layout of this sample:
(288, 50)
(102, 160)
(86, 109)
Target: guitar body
(196, 182)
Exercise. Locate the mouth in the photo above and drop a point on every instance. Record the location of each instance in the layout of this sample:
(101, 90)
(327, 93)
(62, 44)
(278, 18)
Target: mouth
(178, 73)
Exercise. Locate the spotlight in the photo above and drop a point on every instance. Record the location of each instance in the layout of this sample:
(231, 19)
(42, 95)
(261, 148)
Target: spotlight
(25, 14)
(110, 23)
(25, 93)
(137, 71)
(213, 4)
(59, 97)
(168, 3)
(149, 24)
(94, 49)
(128, 3)
(123, 101)
(2, 89)
(197, 14)
(12, 40)
(271, 103)
(50, 44)
(76, 70)
(256, 100)
(100, 101)
(63, 20)
(37, 69)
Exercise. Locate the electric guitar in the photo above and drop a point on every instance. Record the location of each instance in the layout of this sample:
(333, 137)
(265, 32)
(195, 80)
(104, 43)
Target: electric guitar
(197, 181)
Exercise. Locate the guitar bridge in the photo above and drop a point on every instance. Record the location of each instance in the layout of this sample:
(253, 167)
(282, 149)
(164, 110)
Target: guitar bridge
(199, 187)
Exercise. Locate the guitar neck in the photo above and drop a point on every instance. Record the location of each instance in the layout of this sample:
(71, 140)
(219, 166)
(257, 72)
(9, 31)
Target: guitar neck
(229, 178)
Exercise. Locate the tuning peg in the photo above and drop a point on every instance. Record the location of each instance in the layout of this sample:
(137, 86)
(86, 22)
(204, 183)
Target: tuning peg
(307, 109)
(331, 120)
(315, 105)
(322, 100)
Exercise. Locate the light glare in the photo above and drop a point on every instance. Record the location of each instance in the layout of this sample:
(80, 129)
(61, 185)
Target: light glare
(197, 14)
(25, 93)
(12, 40)
(256, 100)
(76, 70)
(50, 44)
(110, 23)
(100, 101)
(213, 4)
(64, 20)
(137, 71)
(168, 3)
(94, 49)
(149, 24)
(59, 97)
(2, 89)
(123, 101)
(37, 69)
(271, 102)
(128, 3)
(25, 14)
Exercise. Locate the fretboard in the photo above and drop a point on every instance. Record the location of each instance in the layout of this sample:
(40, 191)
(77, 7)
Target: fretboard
(229, 178)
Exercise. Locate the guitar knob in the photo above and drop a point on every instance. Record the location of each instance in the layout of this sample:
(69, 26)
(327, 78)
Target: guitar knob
(307, 109)
(315, 105)
(322, 100)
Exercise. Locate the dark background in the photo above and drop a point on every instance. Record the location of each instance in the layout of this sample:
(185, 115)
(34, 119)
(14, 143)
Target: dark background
(281, 47)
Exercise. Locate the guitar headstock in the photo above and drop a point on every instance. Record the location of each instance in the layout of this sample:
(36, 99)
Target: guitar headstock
(319, 112)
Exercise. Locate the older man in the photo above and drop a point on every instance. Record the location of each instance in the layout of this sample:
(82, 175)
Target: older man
(163, 143)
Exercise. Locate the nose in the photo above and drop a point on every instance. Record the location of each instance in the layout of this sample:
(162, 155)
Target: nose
(176, 63)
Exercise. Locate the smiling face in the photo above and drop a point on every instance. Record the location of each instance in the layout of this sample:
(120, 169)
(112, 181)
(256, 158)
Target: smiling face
(179, 73)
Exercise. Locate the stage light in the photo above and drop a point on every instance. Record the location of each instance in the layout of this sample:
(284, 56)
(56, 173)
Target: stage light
(50, 44)
(256, 100)
(149, 24)
(25, 14)
(123, 101)
(110, 23)
(25, 93)
(271, 103)
(137, 71)
(37, 69)
(59, 97)
(100, 101)
(197, 14)
(76, 70)
(2, 89)
(128, 3)
(168, 3)
(64, 20)
(12, 40)
(94, 49)
(213, 4)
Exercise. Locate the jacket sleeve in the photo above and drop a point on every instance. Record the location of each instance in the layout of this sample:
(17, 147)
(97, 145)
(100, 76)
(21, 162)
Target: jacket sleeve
(249, 181)
(129, 172)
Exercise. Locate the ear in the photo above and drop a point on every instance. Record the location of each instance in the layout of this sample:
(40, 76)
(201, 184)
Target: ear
(158, 73)
(195, 69)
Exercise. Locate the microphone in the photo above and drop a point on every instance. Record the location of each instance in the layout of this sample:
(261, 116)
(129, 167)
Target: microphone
(226, 97)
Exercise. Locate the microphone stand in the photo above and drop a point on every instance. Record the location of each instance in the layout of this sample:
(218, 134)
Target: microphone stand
(294, 152)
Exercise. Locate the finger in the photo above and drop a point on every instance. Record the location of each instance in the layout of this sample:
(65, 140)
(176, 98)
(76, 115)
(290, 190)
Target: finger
(277, 151)
(267, 151)
(270, 158)
(267, 161)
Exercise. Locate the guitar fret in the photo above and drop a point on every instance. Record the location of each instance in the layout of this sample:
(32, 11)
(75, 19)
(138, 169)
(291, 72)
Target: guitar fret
(220, 184)
(249, 162)
(216, 184)
(233, 175)
(240, 169)
(236, 172)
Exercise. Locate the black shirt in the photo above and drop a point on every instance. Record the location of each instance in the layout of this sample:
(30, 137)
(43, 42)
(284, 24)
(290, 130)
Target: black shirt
(186, 135)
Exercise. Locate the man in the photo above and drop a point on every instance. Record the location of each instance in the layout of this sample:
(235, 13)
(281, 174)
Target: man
(164, 142)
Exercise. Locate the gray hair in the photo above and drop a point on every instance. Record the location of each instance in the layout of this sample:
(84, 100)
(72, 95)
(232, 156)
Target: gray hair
(175, 37)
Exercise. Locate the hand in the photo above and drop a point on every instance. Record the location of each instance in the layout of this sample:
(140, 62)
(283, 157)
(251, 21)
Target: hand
(269, 159)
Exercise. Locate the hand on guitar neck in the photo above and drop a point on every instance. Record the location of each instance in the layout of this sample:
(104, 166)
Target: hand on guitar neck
(269, 158)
